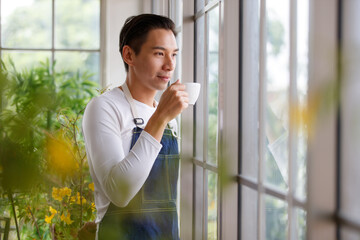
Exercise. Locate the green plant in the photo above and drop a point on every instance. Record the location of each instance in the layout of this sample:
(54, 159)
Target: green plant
(41, 149)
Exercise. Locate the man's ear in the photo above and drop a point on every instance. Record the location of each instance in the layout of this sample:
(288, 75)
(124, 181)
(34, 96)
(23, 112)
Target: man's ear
(128, 55)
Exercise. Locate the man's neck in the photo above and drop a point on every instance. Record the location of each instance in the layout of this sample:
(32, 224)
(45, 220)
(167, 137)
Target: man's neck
(141, 93)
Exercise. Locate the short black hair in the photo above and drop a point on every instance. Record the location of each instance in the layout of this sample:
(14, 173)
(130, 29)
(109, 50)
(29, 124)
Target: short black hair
(136, 28)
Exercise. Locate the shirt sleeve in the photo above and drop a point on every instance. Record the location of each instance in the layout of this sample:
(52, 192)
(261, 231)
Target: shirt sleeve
(120, 174)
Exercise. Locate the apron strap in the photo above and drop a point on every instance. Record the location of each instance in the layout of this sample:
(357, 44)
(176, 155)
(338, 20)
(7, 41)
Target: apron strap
(137, 120)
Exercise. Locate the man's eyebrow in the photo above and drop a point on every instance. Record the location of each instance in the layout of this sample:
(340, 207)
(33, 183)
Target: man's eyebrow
(164, 49)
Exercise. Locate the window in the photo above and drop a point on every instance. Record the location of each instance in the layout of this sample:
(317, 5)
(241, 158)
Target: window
(295, 154)
(209, 203)
(273, 161)
(63, 31)
(206, 140)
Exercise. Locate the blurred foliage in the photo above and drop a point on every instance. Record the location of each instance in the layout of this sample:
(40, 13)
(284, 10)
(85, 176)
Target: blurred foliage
(276, 219)
(275, 35)
(42, 150)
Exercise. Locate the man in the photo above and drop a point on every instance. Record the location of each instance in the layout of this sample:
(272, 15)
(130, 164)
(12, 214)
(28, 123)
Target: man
(131, 139)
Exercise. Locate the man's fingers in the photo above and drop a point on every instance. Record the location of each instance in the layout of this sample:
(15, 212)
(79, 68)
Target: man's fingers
(185, 99)
(178, 85)
(182, 93)
(176, 82)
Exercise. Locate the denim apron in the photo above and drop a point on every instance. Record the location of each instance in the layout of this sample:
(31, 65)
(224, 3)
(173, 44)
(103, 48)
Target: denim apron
(152, 213)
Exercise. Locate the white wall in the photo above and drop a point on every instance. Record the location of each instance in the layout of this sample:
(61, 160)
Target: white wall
(116, 12)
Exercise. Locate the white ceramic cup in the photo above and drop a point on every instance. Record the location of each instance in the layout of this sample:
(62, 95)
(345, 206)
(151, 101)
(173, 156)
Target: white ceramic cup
(193, 90)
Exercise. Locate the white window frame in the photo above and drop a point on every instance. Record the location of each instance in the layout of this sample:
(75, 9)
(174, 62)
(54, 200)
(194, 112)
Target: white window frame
(253, 121)
(229, 112)
(321, 187)
(324, 212)
(228, 123)
(349, 43)
(187, 127)
(331, 197)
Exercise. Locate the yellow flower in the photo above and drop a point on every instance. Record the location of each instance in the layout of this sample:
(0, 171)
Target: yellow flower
(61, 156)
(93, 208)
(52, 210)
(59, 194)
(91, 186)
(66, 218)
(76, 199)
(49, 218)
(56, 194)
(65, 192)
(83, 200)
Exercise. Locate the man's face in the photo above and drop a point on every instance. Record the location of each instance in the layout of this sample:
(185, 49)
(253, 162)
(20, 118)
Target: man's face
(156, 61)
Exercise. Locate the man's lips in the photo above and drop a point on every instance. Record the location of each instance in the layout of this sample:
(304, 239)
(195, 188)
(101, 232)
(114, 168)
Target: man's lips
(165, 78)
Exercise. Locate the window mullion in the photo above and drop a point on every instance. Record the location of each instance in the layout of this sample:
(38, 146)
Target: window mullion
(206, 127)
(292, 158)
(220, 127)
(205, 205)
(102, 39)
(52, 32)
(262, 119)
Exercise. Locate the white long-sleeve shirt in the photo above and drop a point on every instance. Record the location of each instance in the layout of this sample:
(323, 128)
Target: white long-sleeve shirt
(117, 172)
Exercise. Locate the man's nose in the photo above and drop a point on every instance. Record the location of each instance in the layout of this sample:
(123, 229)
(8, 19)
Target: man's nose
(170, 63)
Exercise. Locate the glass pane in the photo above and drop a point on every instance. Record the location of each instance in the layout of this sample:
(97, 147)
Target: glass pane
(178, 12)
(301, 224)
(25, 59)
(78, 61)
(200, 4)
(277, 85)
(302, 87)
(77, 24)
(209, 1)
(249, 212)
(212, 206)
(23, 27)
(213, 83)
(200, 77)
(349, 234)
(199, 202)
(276, 219)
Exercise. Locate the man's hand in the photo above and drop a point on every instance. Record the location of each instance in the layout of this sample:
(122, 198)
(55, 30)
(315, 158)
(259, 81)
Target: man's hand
(172, 102)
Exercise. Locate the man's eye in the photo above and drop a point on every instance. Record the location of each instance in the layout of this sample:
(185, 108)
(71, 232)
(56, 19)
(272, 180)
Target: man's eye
(174, 54)
(160, 54)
